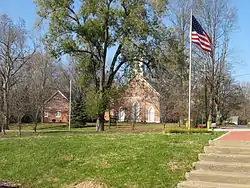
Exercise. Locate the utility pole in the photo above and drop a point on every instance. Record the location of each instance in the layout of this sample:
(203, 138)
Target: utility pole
(69, 105)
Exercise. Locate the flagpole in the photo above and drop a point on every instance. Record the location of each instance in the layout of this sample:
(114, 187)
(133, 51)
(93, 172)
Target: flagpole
(190, 73)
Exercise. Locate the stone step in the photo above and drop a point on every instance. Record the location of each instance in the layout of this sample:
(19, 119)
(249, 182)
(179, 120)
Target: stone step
(229, 143)
(201, 184)
(224, 157)
(227, 150)
(222, 166)
(219, 177)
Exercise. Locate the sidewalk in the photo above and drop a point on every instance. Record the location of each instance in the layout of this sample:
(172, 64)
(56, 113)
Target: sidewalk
(237, 135)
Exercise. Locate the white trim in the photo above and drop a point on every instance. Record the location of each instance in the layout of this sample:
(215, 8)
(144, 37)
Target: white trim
(151, 119)
(62, 94)
(52, 96)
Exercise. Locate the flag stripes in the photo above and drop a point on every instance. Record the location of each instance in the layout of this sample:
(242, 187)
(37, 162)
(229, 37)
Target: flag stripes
(199, 36)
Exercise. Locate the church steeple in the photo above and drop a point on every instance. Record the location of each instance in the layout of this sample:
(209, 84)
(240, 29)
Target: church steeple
(138, 69)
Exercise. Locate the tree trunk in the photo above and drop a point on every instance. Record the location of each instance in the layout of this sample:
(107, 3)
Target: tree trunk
(133, 125)
(5, 107)
(218, 114)
(20, 129)
(181, 121)
(37, 113)
(42, 116)
(2, 123)
(109, 118)
(206, 101)
(100, 122)
(19, 126)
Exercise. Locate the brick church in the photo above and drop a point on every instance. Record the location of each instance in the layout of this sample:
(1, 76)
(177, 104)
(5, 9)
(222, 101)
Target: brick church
(140, 102)
(56, 109)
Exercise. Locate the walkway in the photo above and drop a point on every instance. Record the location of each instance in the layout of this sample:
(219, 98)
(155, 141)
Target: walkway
(237, 136)
(225, 163)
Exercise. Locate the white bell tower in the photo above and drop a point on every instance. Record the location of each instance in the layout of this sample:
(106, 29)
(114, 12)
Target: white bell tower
(138, 69)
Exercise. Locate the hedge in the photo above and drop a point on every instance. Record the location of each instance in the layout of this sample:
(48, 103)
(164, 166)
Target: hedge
(184, 131)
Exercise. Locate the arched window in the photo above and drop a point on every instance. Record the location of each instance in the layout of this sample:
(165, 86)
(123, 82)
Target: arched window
(151, 114)
(136, 112)
(122, 114)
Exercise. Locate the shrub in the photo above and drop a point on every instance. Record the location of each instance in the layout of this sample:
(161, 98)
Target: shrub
(185, 131)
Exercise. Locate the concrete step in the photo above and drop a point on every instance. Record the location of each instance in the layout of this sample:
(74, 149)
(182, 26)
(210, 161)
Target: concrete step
(219, 177)
(224, 157)
(201, 184)
(229, 143)
(222, 166)
(227, 150)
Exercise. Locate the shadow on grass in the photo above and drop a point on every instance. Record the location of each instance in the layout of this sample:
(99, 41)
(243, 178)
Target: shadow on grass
(68, 132)
(44, 133)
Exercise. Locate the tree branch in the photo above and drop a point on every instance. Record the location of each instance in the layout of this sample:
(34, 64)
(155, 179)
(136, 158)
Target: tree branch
(112, 75)
(75, 18)
(117, 53)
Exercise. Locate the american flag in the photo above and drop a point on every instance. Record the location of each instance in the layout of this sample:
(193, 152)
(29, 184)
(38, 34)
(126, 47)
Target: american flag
(200, 37)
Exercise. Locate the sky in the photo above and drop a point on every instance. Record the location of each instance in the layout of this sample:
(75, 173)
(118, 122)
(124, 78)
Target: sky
(239, 44)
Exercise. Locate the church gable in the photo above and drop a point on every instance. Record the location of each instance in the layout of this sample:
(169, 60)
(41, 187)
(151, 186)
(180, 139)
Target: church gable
(140, 87)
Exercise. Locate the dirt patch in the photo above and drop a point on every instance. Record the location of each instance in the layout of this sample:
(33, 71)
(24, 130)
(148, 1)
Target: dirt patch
(52, 179)
(174, 165)
(67, 157)
(8, 184)
(88, 184)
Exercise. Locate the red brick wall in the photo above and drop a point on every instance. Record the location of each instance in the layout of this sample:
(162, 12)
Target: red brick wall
(57, 103)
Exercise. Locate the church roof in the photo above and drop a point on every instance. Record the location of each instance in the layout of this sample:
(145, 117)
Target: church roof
(57, 92)
(139, 77)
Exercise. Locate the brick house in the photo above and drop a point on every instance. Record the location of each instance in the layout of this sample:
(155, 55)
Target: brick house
(140, 102)
(56, 108)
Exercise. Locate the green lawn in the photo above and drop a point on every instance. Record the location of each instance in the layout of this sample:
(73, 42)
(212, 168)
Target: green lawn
(91, 127)
(118, 160)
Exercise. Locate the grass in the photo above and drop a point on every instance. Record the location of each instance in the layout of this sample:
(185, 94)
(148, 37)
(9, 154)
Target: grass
(40, 126)
(91, 127)
(118, 160)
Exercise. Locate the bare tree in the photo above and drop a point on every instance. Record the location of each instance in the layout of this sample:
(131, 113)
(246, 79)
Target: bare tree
(20, 103)
(208, 82)
(172, 82)
(243, 110)
(218, 19)
(42, 82)
(170, 78)
(14, 53)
